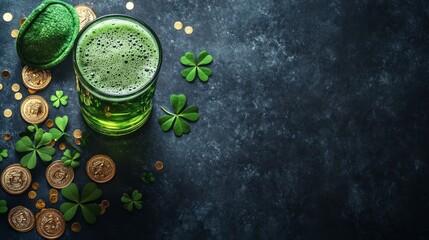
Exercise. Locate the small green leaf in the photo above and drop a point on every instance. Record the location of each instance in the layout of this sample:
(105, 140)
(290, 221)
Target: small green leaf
(186, 71)
(177, 102)
(204, 58)
(181, 127)
(46, 153)
(71, 192)
(67, 153)
(129, 206)
(167, 125)
(24, 145)
(74, 164)
(147, 177)
(188, 59)
(69, 210)
(90, 192)
(136, 195)
(164, 119)
(4, 153)
(190, 113)
(125, 198)
(29, 160)
(138, 204)
(46, 138)
(58, 98)
(90, 212)
(3, 206)
(56, 134)
(38, 136)
(191, 75)
(206, 71)
(61, 122)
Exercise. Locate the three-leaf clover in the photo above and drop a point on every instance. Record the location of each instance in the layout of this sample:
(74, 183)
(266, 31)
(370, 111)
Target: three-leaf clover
(3, 206)
(59, 131)
(70, 159)
(35, 148)
(3, 154)
(58, 98)
(89, 194)
(178, 119)
(133, 201)
(195, 68)
(147, 177)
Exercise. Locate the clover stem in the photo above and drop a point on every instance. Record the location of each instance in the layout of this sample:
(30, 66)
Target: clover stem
(165, 110)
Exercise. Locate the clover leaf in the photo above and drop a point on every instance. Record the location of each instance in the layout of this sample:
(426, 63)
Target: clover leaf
(3, 206)
(133, 201)
(36, 147)
(3, 154)
(61, 124)
(70, 159)
(58, 98)
(195, 68)
(147, 177)
(84, 201)
(178, 119)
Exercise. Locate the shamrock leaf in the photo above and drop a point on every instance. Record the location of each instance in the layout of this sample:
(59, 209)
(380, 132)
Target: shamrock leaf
(84, 201)
(61, 124)
(132, 201)
(195, 68)
(147, 177)
(58, 98)
(178, 119)
(34, 148)
(3, 206)
(3, 154)
(70, 159)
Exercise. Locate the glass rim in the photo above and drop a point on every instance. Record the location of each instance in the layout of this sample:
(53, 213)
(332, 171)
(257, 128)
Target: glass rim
(100, 94)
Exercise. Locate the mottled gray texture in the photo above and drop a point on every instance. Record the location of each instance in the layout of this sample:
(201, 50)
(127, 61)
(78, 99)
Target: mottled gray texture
(313, 126)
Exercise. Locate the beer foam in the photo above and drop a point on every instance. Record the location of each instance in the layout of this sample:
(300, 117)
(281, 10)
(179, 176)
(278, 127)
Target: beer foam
(117, 57)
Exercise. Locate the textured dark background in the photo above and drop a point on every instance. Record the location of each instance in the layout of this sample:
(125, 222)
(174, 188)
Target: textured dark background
(313, 126)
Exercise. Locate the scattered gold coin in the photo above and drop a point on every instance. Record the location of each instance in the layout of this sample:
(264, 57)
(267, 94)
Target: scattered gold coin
(53, 191)
(189, 30)
(62, 146)
(40, 203)
(35, 186)
(32, 91)
(21, 21)
(77, 141)
(53, 198)
(49, 123)
(5, 74)
(1, 86)
(7, 17)
(159, 165)
(21, 219)
(77, 133)
(86, 15)
(105, 203)
(75, 227)
(58, 175)
(32, 194)
(50, 224)
(7, 136)
(18, 96)
(129, 5)
(7, 113)
(178, 25)
(14, 33)
(15, 179)
(100, 168)
(102, 209)
(34, 109)
(15, 87)
(35, 79)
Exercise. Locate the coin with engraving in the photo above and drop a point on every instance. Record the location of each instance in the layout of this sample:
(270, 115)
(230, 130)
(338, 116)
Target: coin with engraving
(34, 109)
(50, 224)
(21, 219)
(100, 168)
(86, 15)
(35, 79)
(58, 175)
(15, 179)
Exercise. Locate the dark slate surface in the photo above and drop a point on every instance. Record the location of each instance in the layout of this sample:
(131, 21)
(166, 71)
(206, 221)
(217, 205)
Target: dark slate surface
(313, 126)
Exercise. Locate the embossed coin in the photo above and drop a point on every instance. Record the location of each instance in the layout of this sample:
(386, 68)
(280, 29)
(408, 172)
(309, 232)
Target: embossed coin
(100, 168)
(50, 224)
(35, 79)
(15, 179)
(86, 15)
(59, 176)
(34, 109)
(21, 219)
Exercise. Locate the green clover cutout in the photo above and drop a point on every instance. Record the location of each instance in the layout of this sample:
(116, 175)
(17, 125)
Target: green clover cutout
(3, 206)
(36, 147)
(58, 98)
(132, 202)
(83, 201)
(178, 119)
(3, 154)
(70, 159)
(147, 177)
(195, 68)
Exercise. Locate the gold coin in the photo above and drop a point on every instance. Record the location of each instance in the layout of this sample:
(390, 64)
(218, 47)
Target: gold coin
(62, 146)
(7, 17)
(105, 203)
(21, 21)
(100, 168)
(159, 165)
(178, 25)
(5, 74)
(86, 15)
(40, 204)
(21, 219)
(129, 5)
(34, 109)
(35, 79)
(32, 194)
(32, 91)
(53, 191)
(189, 30)
(75, 227)
(58, 175)
(7, 136)
(53, 198)
(15, 179)
(77, 133)
(49, 123)
(18, 96)
(15, 87)
(77, 141)
(14, 33)
(50, 224)
(7, 113)
(1, 86)
(35, 186)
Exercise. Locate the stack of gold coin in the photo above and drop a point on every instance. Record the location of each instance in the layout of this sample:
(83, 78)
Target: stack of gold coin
(35, 79)
(77, 134)
(21, 219)
(103, 206)
(50, 224)
(53, 195)
(34, 109)
(100, 168)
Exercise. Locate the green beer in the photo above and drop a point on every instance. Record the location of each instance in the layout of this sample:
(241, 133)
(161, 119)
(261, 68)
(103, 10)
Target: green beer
(117, 59)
